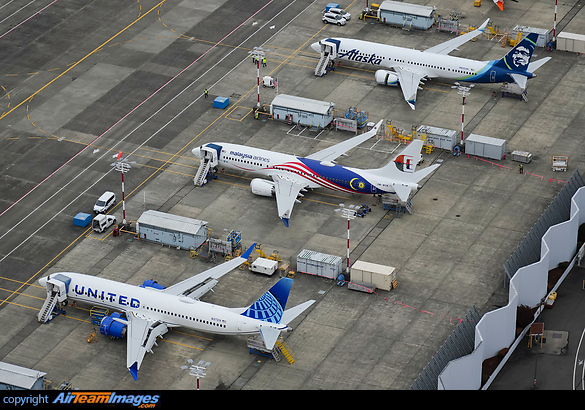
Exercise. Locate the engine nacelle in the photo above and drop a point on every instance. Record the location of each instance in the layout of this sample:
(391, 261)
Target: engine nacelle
(109, 326)
(386, 78)
(262, 187)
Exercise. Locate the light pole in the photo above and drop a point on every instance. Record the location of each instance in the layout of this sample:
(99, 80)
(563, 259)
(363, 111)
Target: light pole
(197, 370)
(349, 213)
(258, 53)
(123, 166)
(465, 92)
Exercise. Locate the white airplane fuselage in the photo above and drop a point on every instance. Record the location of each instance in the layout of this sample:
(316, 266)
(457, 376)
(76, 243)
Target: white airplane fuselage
(386, 56)
(316, 174)
(156, 305)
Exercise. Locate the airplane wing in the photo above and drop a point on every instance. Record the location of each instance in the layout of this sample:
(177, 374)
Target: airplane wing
(196, 286)
(331, 153)
(286, 191)
(409, 82)
(448, 46)
(140, 337)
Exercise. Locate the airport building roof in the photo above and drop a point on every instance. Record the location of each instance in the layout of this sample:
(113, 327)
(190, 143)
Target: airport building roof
(18, 376)
(302, 104)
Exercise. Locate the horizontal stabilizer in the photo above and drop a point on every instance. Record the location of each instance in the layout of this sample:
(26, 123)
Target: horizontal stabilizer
(520, 80)
(269, 335)
(290, 314)
(535, 65)
(402, 191)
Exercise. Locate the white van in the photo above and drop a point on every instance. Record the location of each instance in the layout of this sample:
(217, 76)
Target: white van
(341, 12)
(102, 222)
(104, 202)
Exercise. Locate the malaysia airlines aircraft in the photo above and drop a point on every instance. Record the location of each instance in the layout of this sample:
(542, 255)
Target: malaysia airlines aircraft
(410, 67)
(148, 310)
(292, 175)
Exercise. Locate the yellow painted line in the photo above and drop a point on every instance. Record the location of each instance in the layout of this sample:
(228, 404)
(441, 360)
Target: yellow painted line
(80, 61)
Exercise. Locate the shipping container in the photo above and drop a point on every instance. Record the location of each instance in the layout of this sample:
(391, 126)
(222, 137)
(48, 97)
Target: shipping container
(571, 42)
(379, 275)
(438, 137)
(543, 34)
(486, 147)
(320, 264)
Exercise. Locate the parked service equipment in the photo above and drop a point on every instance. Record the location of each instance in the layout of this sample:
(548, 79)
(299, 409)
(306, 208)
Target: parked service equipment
(571, 42)
(172, 230)
(406, 15)
(82, 219)
(383, 277)
(361, 286)
(265, 266)
(560, 162)
(320, 264)
(514, 90)
(102, 222)
(302, 111)
(486, 147)
(438, 137)
(104, 202)
(330, 6)
(268, 81)
(221, 102)
(543, 34)
(522, 156)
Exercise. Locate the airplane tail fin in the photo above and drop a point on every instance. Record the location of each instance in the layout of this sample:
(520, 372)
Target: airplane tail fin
(270, 308)
(519, 57)
(403, 164)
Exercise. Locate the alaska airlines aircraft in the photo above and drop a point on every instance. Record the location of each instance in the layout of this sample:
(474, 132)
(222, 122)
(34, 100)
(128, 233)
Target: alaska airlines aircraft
(292, 175)
(146, 312)
(410, 67)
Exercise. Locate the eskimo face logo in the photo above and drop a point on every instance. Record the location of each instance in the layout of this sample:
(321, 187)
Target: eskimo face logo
(355, 55)
(521, 57)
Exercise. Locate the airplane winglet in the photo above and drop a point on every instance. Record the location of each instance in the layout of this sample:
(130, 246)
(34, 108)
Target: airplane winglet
(248, 252)
(500, 4)
(134, 371)
(285, 220)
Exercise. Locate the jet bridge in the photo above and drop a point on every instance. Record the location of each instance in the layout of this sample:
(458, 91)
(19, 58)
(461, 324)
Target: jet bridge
(57, 287)
(328, 56)
(209, 155)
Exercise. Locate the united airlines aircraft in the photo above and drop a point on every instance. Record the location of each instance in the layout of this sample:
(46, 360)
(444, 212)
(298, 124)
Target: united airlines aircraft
(290, 175)
(146, 312)
(408, 68)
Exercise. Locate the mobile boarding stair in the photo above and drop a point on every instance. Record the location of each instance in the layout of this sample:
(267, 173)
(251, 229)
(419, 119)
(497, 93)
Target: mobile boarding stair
(328, 55)
(256, 345)
(209, 156)
(57, 287)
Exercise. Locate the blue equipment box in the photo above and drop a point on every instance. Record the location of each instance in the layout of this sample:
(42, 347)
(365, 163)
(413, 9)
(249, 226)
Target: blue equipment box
(331, 6)
(221, 102)
(82, 219)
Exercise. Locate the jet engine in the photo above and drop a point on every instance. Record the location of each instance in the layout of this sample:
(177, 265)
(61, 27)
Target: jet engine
(386, 78)
(109, 326)
(262, 187)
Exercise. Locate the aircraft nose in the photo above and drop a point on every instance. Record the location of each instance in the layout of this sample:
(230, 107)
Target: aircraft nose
(316, 46)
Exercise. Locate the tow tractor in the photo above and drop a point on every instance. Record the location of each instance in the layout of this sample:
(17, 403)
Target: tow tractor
(363, 210)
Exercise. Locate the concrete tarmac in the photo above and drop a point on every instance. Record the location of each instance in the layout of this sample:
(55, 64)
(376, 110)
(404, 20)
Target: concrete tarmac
(112, 77)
